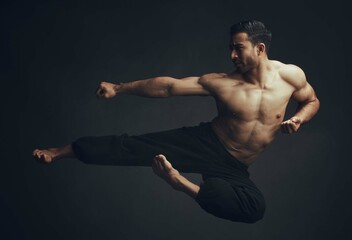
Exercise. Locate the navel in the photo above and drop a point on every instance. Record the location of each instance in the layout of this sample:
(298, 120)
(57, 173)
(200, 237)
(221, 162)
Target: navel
(278, 116)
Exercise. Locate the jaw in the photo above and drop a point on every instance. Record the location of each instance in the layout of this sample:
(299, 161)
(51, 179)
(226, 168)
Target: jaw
(242, 69)
(246, 66)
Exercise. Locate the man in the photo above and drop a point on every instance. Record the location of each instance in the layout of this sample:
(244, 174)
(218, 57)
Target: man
(251, 103)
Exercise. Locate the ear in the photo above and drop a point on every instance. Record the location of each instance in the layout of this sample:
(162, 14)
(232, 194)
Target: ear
(260, 48)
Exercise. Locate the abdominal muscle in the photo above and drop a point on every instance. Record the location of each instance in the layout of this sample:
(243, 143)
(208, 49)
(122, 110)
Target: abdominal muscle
(244, 140)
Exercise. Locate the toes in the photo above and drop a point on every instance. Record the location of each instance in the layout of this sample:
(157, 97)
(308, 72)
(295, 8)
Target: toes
(165, 164)
(35, 152)
(160, 164)
(160, 157)
(42, 156)
(157, 168)
(39, 154)
(154, 167)
(157, 164)
(161, 160)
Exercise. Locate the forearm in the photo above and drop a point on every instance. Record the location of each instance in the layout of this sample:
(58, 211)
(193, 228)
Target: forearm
(152, 87)
(306, 111)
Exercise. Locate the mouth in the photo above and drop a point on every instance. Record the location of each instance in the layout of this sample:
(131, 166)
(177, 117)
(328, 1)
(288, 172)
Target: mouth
(237, 63)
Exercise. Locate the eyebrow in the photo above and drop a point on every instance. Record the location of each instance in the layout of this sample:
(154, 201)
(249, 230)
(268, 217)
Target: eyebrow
(232, 45)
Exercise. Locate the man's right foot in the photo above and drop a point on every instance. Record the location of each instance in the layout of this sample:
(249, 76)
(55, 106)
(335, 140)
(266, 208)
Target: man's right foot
(163, 168)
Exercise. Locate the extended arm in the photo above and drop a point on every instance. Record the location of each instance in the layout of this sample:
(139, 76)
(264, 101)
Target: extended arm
(308, 104)
(154, 87)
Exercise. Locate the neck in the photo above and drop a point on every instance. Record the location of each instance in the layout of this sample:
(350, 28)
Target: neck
(259, 74)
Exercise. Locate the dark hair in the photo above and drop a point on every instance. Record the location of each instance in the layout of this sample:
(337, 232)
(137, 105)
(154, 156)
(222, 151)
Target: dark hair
(256, 30)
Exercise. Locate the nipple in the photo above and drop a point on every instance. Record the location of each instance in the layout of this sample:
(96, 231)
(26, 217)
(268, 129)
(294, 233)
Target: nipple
(278, 116)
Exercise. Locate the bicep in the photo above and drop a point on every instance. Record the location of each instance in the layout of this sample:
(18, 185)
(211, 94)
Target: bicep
(304, 94)
(303, 91)
(187, 86)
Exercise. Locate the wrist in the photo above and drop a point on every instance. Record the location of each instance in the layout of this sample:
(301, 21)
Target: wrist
(299, 119)
(118, 88)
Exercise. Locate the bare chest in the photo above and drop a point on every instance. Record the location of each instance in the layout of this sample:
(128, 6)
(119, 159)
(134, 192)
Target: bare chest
(247, 102)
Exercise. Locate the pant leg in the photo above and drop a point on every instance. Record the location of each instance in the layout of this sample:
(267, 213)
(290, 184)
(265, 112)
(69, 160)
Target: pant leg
(234, 202)
(189, 150)
(182, 147)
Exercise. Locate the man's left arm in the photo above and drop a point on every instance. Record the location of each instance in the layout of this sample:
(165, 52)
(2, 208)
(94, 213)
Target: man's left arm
(308, 104)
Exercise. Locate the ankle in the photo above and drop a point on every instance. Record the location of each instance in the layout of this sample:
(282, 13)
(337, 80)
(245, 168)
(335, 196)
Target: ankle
(62, 152)
(178, 182)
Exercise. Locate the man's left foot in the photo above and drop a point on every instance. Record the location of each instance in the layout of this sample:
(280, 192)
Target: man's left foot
(46, 155)
(52, 154)
(163, 168)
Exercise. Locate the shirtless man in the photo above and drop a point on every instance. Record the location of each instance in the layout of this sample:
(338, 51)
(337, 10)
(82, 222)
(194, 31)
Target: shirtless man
(251, 103)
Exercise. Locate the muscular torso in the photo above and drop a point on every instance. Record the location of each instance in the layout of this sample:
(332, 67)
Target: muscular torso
(249, 115)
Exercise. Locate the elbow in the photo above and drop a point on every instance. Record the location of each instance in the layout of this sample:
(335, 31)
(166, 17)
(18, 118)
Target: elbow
(312, 102)
(317, 103)
(164, 89)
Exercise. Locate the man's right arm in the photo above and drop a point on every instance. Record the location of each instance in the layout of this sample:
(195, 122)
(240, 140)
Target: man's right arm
(157, 87)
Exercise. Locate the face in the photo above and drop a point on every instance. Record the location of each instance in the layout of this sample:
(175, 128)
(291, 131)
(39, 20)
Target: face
(243, 53)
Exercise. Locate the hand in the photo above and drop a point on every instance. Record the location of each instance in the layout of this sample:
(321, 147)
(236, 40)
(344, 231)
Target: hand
(291, 126)
(106, 90)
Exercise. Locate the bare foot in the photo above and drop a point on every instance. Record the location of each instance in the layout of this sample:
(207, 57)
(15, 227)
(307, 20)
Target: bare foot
(164, 169)
(52, 154)
(46, 155)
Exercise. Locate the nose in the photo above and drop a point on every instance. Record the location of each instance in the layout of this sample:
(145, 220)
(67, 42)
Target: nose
(234, 55)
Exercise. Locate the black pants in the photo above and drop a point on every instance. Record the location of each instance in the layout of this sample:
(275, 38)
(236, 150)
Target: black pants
(226, 191)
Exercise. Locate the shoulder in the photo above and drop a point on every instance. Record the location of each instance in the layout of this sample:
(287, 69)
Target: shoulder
(214, 82)
(292, 74)
(209, 76)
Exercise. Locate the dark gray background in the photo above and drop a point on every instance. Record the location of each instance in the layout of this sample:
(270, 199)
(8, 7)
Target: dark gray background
(56, 52)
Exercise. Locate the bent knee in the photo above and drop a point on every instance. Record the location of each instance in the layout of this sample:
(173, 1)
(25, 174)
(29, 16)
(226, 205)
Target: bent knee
(256, 206)
(238, 204)
(255, 215)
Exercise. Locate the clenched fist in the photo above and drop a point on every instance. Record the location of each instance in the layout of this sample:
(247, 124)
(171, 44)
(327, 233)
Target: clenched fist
(106, 90)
